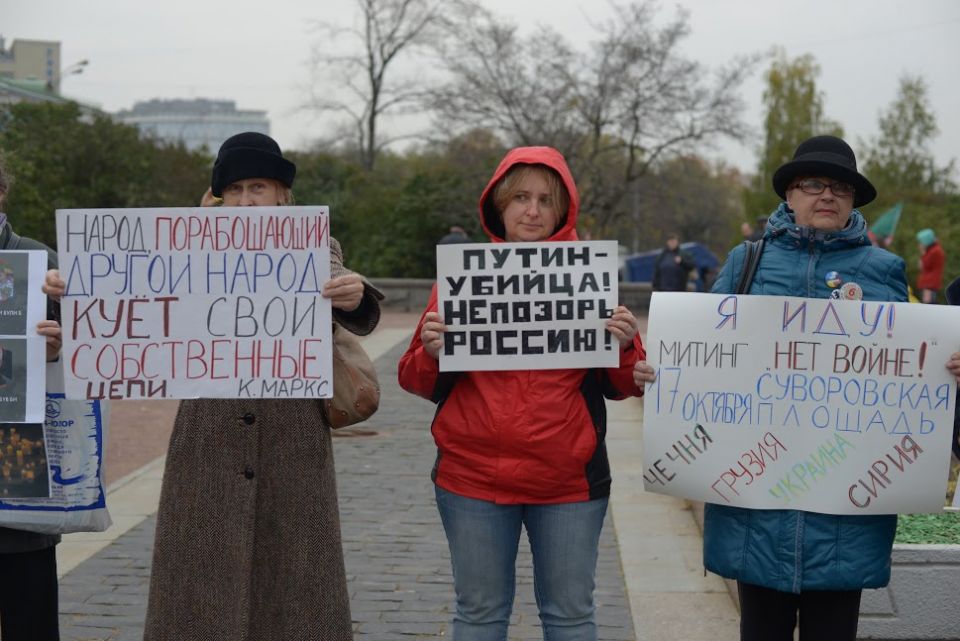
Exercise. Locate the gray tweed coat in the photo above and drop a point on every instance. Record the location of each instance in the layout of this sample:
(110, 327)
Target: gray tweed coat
(248, 532)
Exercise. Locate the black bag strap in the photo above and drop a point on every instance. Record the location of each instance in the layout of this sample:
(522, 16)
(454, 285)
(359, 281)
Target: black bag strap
(750, 261)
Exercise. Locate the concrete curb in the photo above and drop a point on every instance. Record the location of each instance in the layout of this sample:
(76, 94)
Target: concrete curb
(921, 600)
(660, 547)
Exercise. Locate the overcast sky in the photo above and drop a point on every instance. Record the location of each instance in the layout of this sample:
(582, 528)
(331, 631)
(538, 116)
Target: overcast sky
(257, 53)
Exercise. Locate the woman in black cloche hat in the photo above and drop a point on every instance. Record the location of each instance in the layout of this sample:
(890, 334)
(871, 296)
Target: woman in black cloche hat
(792, 564)
(248, 531)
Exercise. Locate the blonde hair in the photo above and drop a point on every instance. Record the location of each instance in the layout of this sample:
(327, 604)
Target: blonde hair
(285, 194)
(509, 185)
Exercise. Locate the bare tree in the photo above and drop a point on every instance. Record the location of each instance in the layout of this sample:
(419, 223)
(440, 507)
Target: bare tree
(522, 89)
(628, 101)
(386, 30)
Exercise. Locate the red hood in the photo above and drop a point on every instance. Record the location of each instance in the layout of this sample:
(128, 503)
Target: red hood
(532, 156)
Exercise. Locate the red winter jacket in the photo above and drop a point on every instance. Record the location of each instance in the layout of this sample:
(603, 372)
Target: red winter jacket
(531, 436)
(931, 267)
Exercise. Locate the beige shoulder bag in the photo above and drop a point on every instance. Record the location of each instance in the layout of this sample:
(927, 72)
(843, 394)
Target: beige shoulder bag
(356, 391)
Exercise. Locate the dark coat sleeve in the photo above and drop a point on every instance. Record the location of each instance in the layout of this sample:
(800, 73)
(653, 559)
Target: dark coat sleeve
(362, 320)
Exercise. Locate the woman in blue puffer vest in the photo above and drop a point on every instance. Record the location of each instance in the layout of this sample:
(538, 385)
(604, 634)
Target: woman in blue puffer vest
(788, 561)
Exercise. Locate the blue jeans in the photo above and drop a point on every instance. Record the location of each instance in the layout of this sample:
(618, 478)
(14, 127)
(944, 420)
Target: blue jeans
(483, 539)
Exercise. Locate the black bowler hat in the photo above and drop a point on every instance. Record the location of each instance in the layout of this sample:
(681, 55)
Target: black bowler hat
(825, 156)
(250, 155)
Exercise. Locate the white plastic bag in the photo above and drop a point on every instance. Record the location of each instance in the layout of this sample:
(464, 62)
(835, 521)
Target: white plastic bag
(74, 435)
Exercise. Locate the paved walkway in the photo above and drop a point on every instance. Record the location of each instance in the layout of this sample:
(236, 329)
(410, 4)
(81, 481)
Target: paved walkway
(650, 583)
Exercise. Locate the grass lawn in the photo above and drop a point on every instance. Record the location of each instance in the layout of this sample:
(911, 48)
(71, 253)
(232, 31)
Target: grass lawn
(932, 528)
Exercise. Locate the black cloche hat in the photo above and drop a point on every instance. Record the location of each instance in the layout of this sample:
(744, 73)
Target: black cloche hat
(825, 156)
(250, 155)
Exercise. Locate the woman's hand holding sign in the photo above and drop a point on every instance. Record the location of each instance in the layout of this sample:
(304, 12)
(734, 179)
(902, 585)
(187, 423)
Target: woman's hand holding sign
(53, 285)
(344, 292)
(643, 373)
(623, 325)
(50, 329)
(953, 365)
(431, 334)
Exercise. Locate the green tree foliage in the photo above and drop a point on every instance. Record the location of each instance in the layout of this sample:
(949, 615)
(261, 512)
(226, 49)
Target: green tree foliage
(690, 197)
(899, 161)
(63, 159)
(388, 220)
(794, 112)
(901, 166)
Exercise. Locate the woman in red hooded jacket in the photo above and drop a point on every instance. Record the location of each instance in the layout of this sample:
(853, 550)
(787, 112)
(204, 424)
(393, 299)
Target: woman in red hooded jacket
(522, 447)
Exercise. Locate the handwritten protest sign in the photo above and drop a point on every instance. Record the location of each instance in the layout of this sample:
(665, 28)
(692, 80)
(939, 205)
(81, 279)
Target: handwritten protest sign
(833, 406)
(513, 306)
(22, 350)
(187, 303)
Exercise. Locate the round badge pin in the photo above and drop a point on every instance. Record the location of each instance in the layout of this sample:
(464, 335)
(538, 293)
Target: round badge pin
(851, 291)
(833, 280)
(835, 294)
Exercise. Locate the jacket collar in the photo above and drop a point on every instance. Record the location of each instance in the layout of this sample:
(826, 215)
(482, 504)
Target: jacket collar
(782, 227)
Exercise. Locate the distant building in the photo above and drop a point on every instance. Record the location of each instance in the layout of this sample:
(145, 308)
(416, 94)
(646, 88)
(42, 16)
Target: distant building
(197, 123)
(32, 60)
(30, 71)
(14, 91)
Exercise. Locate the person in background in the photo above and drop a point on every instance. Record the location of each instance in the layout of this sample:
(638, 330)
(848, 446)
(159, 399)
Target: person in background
(29, 600)
(456, 236)
(522, 447)
(760, 229)
(931, 263)
(751, 233)
(671, 271)
(791, 563)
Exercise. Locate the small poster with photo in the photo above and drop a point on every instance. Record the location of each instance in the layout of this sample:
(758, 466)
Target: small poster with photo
(24, 472)
(22, 350)
(14, 355)
(14, 292)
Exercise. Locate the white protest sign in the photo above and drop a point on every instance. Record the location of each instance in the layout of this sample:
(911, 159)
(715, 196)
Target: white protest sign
(22, 351)
(211, 302)
(540, 305)
(842, 407)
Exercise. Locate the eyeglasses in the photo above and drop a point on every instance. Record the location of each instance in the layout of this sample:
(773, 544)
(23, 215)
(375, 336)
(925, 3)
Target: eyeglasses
(815, 187)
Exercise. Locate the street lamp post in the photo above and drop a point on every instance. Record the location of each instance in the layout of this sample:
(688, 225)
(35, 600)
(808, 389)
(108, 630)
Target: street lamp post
(73, 70)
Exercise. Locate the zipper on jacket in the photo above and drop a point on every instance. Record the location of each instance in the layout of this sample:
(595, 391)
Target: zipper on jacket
(798, 555)
(808, 237)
